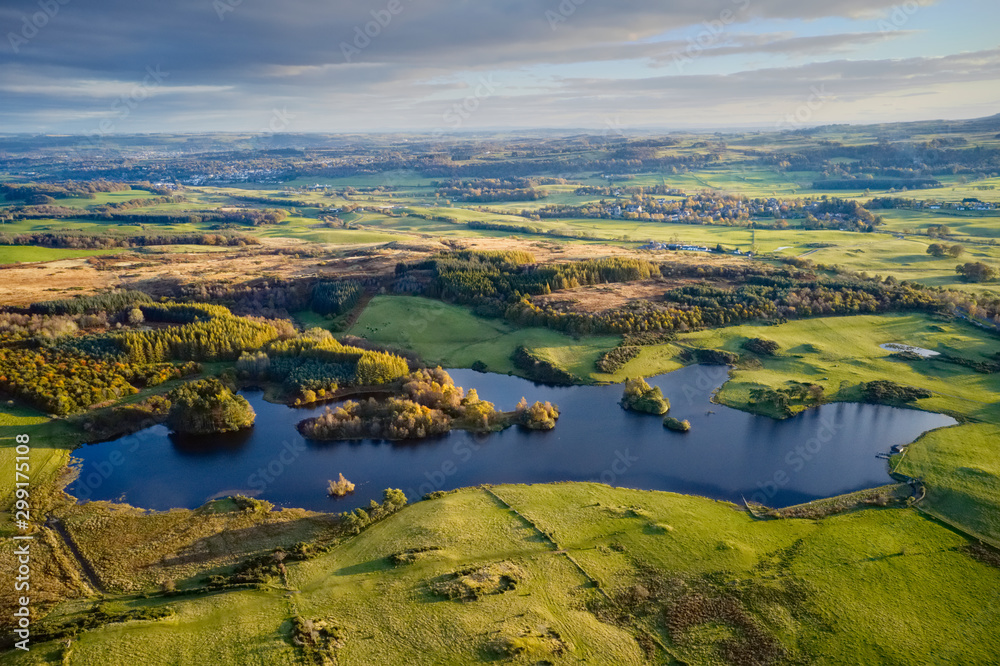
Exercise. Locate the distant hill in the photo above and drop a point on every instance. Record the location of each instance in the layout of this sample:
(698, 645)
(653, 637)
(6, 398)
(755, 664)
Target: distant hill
(905, 130)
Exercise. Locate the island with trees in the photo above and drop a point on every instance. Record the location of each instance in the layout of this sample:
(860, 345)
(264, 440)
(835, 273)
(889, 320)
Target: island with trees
(639, 396)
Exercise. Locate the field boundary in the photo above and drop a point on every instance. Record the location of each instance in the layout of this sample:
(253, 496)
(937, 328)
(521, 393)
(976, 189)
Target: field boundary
(88, 569)
(548, 537)
(964, 531)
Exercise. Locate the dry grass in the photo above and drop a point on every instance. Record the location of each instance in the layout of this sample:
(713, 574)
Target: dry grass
(131, 549)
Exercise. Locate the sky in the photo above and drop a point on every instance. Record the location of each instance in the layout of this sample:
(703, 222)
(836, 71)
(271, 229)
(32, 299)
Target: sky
(104, 67)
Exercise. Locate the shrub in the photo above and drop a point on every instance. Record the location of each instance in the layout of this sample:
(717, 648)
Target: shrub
(355, 521)
(761, 346)
(477, 582)
(411, 555)
(715, 357)
(611, 361)
(890, 393)
(340, 487)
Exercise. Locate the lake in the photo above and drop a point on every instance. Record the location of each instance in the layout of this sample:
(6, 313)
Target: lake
(728, 454)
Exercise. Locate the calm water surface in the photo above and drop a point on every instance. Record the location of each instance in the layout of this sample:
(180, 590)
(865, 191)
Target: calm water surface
(728, 454)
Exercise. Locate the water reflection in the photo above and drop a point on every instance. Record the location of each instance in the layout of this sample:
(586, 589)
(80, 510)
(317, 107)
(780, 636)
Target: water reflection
(728, 454)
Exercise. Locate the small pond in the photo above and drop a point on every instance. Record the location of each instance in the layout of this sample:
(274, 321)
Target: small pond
(899, 347)
(728, 454)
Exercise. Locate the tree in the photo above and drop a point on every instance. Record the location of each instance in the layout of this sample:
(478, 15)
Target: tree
(208, 407)
(977, 272)
(937, 249)
(641, 397)
(955, 251)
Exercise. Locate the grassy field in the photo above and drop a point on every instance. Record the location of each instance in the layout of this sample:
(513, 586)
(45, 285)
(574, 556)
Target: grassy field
(451, 336)
(962, 474)
(880, 585)
(13, 254)
(958, 464)
(102, 198)
(884, 253)
(839, 353)
(50, 442)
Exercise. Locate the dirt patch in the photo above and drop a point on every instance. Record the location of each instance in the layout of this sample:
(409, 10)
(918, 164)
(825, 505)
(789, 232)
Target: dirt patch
(983, 553)
(602, 297)
(478, 582)
(532, 645)
(30, 283)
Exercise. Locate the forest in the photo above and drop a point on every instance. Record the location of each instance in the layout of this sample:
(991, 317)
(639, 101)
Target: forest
(503, 286)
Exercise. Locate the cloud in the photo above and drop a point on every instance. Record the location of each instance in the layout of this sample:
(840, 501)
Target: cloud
(406, 62)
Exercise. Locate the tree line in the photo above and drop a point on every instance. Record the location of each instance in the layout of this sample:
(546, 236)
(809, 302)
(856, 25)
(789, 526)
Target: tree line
(105, 241)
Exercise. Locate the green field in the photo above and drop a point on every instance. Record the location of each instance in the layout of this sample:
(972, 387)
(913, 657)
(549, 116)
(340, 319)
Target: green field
(451, 336)
(871, 583)
(50, 442)
(900, 252)
(14, 254)
(957, 464)
(562, 573)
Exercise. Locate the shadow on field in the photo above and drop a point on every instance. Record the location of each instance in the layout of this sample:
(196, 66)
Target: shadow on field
(370, 566)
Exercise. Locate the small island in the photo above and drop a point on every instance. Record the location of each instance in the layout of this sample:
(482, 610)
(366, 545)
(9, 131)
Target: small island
(639, 396)
(670, 423)
(208, 407)
(426, 404)
(539, 416)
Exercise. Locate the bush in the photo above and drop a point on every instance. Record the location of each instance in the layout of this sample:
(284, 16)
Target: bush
(340, 487)
(355, 521)
(641, 397)
(477, 582)
(715, 357)
(761, 346)
(612, 361)
(890, 393)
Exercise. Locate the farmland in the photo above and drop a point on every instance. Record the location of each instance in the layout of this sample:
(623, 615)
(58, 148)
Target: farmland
(354, 266)
(832, 584)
